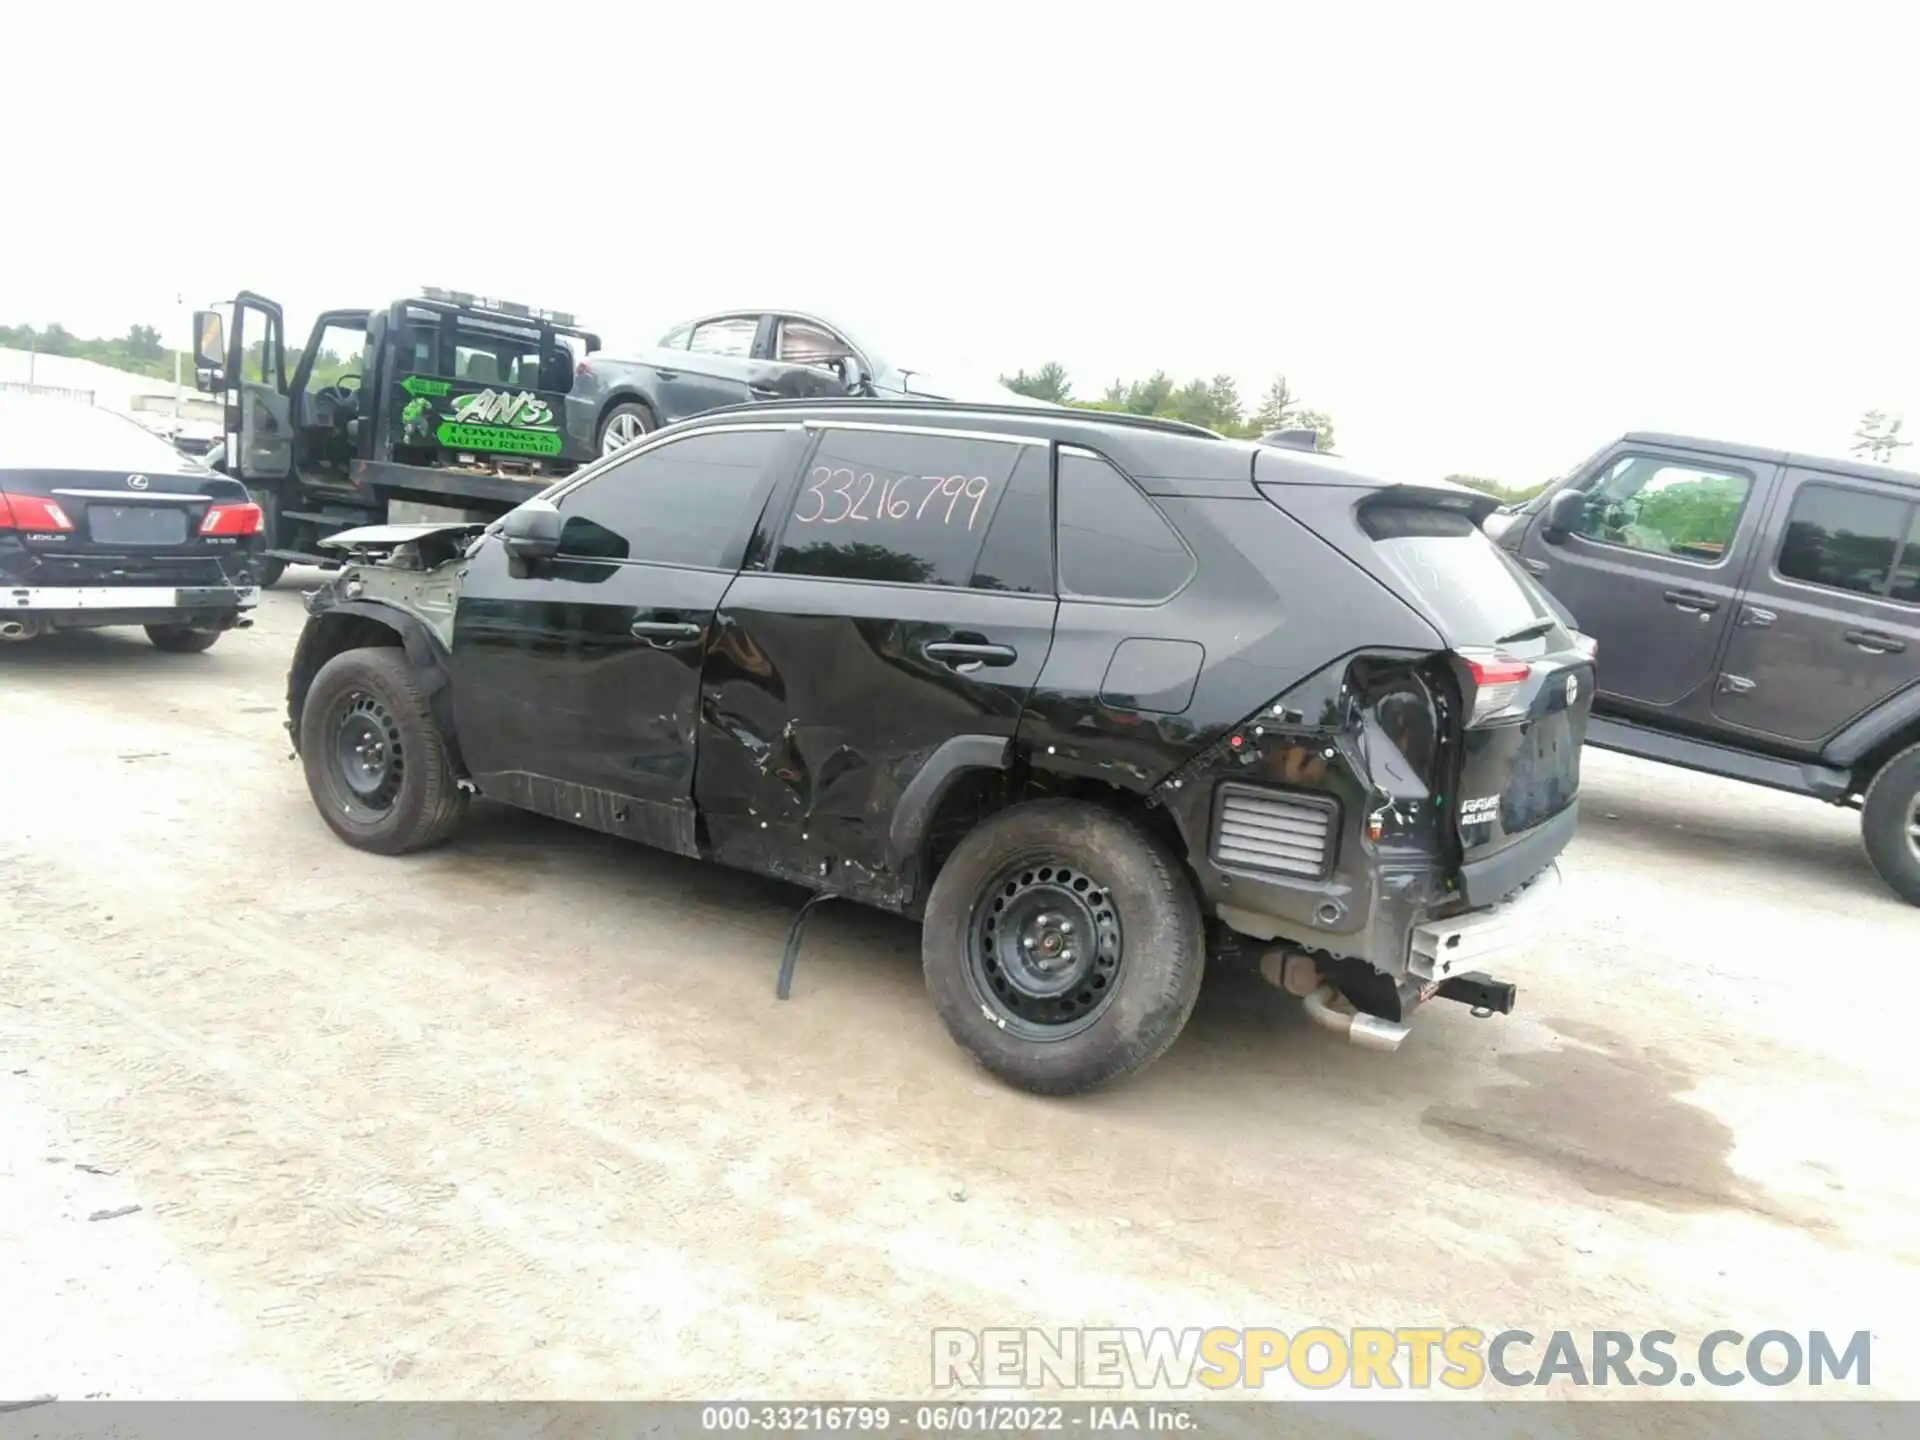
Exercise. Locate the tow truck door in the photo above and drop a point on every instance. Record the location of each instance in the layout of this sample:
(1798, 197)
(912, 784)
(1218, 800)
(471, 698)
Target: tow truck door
(259, 418)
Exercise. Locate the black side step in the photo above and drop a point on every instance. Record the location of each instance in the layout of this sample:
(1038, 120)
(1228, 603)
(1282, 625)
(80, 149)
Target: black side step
(1821, 781)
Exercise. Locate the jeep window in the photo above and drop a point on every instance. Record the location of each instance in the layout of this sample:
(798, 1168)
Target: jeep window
(732, 336)
(1018, 554)
(896, 505)
(803, 343)
(1467, 584)
(1664, 507)
(1847, 540)
(688, 502)
(1114, 545)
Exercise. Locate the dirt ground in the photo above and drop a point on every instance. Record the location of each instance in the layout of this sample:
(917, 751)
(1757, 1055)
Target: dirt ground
(523, 1118)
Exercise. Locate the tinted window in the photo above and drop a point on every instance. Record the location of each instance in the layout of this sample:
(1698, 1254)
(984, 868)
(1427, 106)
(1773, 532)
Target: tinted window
(1843, 539)
(1664, 507)
(725, 337)
(690, 502)
(1018, 554)
(895, 505)
(1906, 576)
(1113, 544)
(1461, 578)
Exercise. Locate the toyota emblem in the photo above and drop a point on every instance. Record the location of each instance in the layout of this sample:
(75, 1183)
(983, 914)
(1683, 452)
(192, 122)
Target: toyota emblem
(136, 482)
(1573, 688)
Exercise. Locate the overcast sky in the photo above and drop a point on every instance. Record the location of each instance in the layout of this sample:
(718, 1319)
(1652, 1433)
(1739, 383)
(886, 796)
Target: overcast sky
(1485, 238)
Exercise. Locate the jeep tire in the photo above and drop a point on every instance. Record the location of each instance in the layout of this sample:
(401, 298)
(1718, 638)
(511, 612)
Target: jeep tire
(1890, 823)
(376, 765)
(1063, 946)
(181, 639)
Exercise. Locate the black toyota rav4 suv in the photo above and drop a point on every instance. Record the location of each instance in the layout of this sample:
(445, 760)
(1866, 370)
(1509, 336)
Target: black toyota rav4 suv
(1091, 696)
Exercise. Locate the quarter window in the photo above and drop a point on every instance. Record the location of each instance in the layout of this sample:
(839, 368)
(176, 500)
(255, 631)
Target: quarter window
(689, 502)
(1114, 545)
(732, 336)
(895, 505)
(1665, 507)
(1847, 540)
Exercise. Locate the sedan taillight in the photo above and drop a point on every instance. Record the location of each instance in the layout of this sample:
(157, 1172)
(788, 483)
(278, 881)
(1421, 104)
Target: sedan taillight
(34, 513)
(242, 519)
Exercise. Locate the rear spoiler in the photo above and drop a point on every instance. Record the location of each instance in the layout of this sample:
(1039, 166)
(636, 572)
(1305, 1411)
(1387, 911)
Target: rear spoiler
(1278, 470)
(1438, 494)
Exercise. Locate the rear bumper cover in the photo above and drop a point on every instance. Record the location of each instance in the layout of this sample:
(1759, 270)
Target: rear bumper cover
(1441, 949)
(127, 604)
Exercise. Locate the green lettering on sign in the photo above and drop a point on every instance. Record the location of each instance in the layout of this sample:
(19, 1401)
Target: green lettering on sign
(420, 385)
(498, 438)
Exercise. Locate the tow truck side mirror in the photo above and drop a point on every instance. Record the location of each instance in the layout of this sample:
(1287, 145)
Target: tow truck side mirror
(209, 340)
(532, 532)
(1564, 514)
(212, 381)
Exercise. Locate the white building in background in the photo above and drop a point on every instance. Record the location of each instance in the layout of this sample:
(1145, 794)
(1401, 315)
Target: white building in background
(146, 399)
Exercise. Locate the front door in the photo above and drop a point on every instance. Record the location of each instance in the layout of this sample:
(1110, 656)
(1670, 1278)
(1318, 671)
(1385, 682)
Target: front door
(577, 680)
(259, 419)
(1652, 570)
(1830, 621)
(906, 600)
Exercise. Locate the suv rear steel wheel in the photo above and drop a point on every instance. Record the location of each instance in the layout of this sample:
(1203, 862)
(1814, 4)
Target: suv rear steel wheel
(1890, 824)
(1062, 946)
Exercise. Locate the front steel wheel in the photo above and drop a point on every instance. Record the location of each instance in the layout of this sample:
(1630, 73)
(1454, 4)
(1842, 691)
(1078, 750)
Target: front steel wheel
(1046, 948)
(1890, 824)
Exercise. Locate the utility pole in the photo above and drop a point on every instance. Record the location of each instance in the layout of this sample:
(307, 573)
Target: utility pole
(179, 309)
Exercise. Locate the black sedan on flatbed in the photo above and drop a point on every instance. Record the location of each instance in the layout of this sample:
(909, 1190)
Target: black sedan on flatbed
(103, 523)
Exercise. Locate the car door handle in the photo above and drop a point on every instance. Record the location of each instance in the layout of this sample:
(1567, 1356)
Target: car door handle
(1874, 643)
(1757, 618)
(662, 634)
(963, 654)
(768, 391)
(666, 374)
(1535, 567)
(1692, 602)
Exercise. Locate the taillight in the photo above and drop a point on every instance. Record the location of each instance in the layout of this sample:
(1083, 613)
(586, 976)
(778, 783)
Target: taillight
(1497, 684)
(242, 519)
(1586, 644)
(31, 512)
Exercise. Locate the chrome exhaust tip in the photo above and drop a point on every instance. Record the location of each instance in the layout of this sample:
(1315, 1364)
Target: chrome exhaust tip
(1369, 1032)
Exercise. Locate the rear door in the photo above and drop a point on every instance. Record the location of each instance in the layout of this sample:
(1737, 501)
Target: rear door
(802, 357)
(577, 682)
(716, 367)
(904, 599)
(1652, 570)
(1830, 622)
(259, 417)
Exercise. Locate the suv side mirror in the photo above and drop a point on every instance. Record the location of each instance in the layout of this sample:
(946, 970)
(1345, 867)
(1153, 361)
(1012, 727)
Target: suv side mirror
(209, 340)
(532, 532)
(1564, 514)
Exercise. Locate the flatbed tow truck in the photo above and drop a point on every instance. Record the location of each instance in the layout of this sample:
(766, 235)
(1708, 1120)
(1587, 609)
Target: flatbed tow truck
(444, 399)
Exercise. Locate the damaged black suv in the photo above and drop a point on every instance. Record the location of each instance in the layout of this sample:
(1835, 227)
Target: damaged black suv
(1092, 696)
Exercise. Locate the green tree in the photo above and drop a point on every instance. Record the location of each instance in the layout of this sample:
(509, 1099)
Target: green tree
(1223, 395)
(1877, 437)
(1049, 383)
(143, 342)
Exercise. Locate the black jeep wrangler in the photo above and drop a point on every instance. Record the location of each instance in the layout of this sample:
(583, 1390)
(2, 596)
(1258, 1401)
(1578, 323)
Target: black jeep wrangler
(1082, 692)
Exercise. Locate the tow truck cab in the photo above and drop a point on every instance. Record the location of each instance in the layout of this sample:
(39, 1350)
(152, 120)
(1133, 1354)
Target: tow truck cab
(444, 399)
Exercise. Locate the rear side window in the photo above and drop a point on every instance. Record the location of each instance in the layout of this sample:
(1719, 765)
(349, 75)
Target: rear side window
(894, 505)
(1114, 545)
(1849, 540)
(724, 337)
(1465, 582)
(690, 502)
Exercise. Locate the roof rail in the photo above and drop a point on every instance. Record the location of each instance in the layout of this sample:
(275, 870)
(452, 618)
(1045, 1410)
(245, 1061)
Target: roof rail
(1071, 412)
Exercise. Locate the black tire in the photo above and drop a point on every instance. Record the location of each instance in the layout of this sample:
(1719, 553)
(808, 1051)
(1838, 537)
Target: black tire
(181, 639)
(365, 707)
(267, 571)
(1890, 824)
(1100, 877)
(629, 415)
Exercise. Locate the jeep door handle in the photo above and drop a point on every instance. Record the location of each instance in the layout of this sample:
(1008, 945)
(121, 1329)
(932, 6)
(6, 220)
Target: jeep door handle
(961, 654)
(1874, 643)
(1691, 602)
(664, 634)
(1534, 567)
